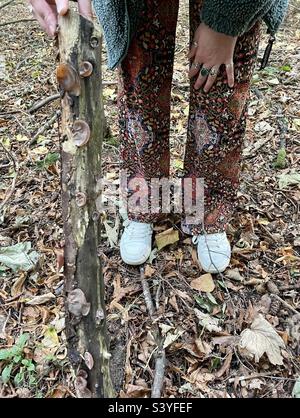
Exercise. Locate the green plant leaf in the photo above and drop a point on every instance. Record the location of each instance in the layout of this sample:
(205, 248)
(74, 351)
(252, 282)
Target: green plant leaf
(19, 378)
(31, 367)
(204, 303)
(286, 68)
(5, 354)
(19, 256)
(49, 160)
(285, 180)
(5, 375)
(22, 340)
(32, 380)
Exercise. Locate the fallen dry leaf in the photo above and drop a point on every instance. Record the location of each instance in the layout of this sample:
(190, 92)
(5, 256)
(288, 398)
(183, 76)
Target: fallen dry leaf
(149, 271)
(39, 300)
(234, 274)
(172, 337)
(204, 283)
(136, 391)
(207, 321)
(261, 338)
(18, 285)
(170, 236)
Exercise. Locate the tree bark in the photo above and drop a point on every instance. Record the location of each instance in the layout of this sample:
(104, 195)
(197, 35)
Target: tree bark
(79, 76)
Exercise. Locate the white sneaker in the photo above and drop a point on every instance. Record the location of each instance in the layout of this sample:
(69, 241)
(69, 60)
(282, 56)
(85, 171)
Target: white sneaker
(136, 243)
(214, 251)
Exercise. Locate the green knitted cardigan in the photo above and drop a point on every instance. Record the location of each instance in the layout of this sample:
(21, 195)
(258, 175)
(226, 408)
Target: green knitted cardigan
(119, 20)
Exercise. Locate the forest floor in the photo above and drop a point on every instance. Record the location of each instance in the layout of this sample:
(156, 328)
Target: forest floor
(203, 320)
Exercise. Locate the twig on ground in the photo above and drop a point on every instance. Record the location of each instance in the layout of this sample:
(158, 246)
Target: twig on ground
(22, 126)
(43, 102)
(147, 294)
(287, 305)
(160, 361)
(47, 125)
(160, 365)
(109, 83)
(14, 22)
(16, 168)
(290, 287)
(6, 3)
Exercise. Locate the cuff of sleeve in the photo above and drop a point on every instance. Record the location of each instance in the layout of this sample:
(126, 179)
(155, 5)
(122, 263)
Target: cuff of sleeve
(223, 24)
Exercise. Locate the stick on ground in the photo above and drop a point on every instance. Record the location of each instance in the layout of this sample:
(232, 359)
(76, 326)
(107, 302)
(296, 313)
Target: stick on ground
(160, 362)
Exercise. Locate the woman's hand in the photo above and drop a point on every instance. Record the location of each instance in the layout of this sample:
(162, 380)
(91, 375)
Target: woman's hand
(209, 51)
(46, 12)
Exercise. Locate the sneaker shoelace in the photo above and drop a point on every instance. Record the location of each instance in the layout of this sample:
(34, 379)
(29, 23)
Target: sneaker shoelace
(213, 242)
(138, 230)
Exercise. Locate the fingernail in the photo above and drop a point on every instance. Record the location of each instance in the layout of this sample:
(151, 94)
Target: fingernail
(52, 28)
(61, 7)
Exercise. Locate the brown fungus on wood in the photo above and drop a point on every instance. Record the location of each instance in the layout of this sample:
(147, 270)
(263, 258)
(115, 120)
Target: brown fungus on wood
(80, 199)
(89, 361)
(81, 388)
(77, 303)
(81, 133)
(85, 69)
(68, 79)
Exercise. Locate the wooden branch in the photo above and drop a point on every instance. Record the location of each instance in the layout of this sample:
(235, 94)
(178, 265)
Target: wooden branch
(287, 305)
(160, 365)
(79, 76)
(44, 127)
(160, 361)
(14, 22)
(6, 3)
(13, 185)
(147, 294)
(43, 102)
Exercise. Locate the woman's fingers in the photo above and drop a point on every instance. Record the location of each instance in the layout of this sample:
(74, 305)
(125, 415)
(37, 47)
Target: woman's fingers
(202, 77)
(45, 15)
(62, 6)
(194, 69)
(213, 74)
(193, 50)
(230, 73)
(85, 8)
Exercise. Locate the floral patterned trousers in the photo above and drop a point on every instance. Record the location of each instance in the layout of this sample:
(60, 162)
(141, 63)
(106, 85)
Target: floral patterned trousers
(216, 122)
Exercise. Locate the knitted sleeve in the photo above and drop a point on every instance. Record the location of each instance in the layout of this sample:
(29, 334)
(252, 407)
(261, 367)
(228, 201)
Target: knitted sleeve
(233, 17)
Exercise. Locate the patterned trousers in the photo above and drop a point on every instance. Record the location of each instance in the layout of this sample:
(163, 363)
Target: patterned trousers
(216, 122)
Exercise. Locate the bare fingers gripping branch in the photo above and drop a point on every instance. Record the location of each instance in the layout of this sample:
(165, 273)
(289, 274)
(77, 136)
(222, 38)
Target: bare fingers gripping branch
(210, 50)
(47, 11)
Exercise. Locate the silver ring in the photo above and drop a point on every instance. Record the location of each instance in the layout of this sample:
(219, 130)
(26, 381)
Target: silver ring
(213, 72)
(195, 44)
(196, 65)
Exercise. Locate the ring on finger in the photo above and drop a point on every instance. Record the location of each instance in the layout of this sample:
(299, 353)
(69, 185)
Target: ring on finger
(196, 65)
(195, 44)
(204, 71)
(213, 71)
